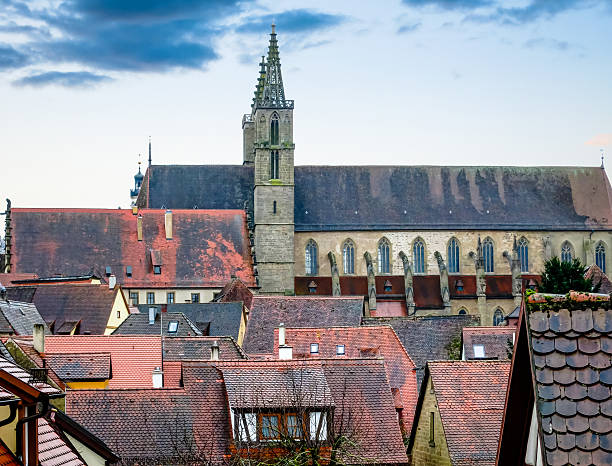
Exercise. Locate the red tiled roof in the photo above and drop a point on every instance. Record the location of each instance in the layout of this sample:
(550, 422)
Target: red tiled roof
(133, 358)
(68, 305)
(470, 397)
(361, 342)
(234, 291)
(53, 450)
(207, 246)
(6, 456)
(7, 279)
(497, 341)
(24, 376)
(597, 276)
(268, 312)
(173, 372)
(27, 347)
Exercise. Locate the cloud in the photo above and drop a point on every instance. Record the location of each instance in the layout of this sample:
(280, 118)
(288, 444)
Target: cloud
(11, 58)
(65, 79)
(542, 42)
(533, 11)
(406, 28)
(449, 4)
(292, 21)
(600, 140)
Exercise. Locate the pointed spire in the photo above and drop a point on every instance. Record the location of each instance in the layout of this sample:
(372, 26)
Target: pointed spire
(149, 151)
(271, 94)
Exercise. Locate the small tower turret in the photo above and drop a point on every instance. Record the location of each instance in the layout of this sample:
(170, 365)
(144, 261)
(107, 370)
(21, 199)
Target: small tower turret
(138, 177)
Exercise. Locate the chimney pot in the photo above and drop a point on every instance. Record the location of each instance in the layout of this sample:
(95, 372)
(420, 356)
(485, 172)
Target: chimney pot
(168, 224)
(38, 338)
(281, 334)
(158, 378)
(214, 351)
(112, 282)
(139, 227)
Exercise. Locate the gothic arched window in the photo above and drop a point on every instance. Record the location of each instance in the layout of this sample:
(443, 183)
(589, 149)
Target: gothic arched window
(487, 252)
(311, 258)
(523, 253)
(384, 247)
(498, 317)
(418, 255)
(274, 165)
(274, 133)
(348, 256)
(453, 256)
(600, 256)
(462, 312)
(567, 252)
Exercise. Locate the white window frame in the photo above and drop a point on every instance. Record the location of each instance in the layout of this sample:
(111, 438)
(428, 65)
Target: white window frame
(316, 418)
(479, 351)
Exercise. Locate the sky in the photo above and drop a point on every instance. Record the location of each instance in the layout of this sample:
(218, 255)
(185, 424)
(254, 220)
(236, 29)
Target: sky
(84, 83)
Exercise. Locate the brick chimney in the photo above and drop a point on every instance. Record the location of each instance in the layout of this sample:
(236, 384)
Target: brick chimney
(285, 352)
(158, 378)
(38, 338)
(168, 224)
(139, 227)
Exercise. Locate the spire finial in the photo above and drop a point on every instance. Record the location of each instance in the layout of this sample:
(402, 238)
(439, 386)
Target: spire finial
(603, 152)
(271, 94)
(273, 28)
(149, 151)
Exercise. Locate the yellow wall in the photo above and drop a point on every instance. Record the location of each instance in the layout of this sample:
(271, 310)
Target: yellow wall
(422, 452)
(438, 241)
(7, 433)
(88, 385)
(91, 458)
(118, 313)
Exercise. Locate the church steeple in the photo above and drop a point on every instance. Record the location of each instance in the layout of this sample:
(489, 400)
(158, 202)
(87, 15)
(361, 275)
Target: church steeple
(272, 94)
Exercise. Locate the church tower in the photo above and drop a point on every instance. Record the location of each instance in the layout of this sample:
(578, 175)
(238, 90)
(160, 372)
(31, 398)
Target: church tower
(268, 145)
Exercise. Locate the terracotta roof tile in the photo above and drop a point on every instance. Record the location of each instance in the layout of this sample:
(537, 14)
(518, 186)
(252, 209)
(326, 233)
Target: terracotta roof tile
(207, 247)
(53, 450)
(268, 312)
(236, 291)
(17, 371)
(359, 342)
(497, 342)
(598, 277)
(6, 456)
(471, 396)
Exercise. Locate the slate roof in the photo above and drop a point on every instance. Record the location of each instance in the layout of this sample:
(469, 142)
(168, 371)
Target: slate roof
(172, 424)
(198, 348)
(206, 249)
(214, 319)
(133, 358)
(138, 324)
(81, 366)
(597, 276)
(67, 305)
(497, 342)
(53, 449)
(21, 316)
(426, 338)
(267, 312)
(571, 349)
(414, 197)
(5, 326)
(362, 342)
(470, 396)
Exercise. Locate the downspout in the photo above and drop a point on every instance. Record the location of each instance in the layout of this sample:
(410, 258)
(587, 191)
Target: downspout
(11, 417)
(25, 420)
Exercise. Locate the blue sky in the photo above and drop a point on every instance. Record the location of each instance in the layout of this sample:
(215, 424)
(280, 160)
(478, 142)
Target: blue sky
(83, 83)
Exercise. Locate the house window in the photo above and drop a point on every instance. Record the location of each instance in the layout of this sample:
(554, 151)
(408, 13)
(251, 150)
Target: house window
(128, 271)
(384, 247)
(311, 257)
(388, 286)
(432, 417)
(118, 314)
(418, 254)
(247, 426)
(274, 167)
(150, 298)
(274, 133)
(498, 317)
(453, 256)
(340, 350)
(312, 287)
(170, 297)
(294, 426)
(487, 252)
(600, 256)
(567, 252)
(273, 207)
(173, 326)
(270, 426)
(459, 285)
(479, 351)
(462, 312)
(195, 297)
(314, 348)
(318, 426)
(523, 253)
(157, 269)
(134, 298)
(348, 257)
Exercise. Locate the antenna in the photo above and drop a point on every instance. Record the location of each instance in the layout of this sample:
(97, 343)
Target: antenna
(149, 151)
(603, 153)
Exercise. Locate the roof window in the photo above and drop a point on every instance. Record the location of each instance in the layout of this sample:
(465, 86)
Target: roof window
(314, 348)
(157, 269)
(340, 350)
(152, 315)
(479, 351)
(108, 270)
(128, 271)
(173, 326)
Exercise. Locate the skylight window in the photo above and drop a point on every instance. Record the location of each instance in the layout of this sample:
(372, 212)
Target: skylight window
(340, 350)
(314, 348)
(173, 326)
(479, 351)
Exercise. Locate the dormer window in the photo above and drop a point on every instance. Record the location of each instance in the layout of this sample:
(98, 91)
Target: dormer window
(388, 286)
(157, 269)
(312, 287)
(314, 348)
(479, 351)
(459, 285)
(532, 284)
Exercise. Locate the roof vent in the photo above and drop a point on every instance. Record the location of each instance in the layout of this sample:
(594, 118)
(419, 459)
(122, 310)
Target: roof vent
(214, 351)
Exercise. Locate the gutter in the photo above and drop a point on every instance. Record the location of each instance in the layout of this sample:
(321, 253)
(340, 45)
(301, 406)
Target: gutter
(12, 415)
(18, 428)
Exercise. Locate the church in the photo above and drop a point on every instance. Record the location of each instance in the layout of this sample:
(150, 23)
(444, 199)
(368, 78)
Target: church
(414, 239)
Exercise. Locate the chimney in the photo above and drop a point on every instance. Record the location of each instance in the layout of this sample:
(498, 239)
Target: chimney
(139, 227)
(38, 338)
(134, 208)
(2, 292)
(281, 334)
(168, 224)
(158, 378)
(112, 281)
(214, 351)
